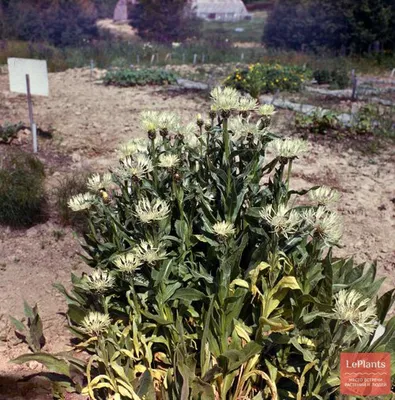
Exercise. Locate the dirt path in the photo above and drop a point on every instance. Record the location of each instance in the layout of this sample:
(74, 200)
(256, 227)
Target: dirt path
(90, 121)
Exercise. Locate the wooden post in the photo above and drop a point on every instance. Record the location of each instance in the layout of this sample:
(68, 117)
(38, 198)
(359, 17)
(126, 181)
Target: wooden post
(242, 57)
(33, 127)
(354, 82)
(92, 66)
(152, 58)
(194, 59)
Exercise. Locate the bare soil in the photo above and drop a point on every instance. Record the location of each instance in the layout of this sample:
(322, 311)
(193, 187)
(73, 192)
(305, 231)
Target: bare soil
(89, 121)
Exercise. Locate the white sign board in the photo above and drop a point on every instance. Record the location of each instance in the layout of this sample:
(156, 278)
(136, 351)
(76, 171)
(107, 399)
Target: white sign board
(37, 70)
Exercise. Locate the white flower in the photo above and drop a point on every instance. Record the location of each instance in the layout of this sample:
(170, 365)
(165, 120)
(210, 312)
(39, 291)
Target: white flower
(224, 229)
(137, 166)
(127, 263)
(288, 148)
(241, 128)
(97, 182)
(148, 211)
(168, 161)
(267, 110)
(325, 224)
(226, 99)
(100, 281)
(150, 120)
(133, 146)
(150, 254)
(324, 196)
(186, 130)
(95, 323)
(247, 104)
(360, 313)
(167, 121)
(283, 220)
(81, 201)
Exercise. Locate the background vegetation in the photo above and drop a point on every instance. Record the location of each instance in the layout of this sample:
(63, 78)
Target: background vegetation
(345, 26)
(22, 195)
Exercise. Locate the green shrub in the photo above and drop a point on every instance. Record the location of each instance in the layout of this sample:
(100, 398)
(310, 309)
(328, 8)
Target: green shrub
(208, 281)
(374, 119)
(320, 121)
(8, 131)
(264, 78)
(22, 197)
(67, 187)
(337, 79)
(130, 77)
(335, 25)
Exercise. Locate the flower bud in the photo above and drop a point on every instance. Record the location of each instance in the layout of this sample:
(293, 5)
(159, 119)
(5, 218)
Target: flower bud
(199, 121)
(151, 134)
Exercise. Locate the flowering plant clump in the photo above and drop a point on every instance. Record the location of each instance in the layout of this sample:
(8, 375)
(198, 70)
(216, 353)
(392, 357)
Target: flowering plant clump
(141, 77)
(208, 281)
(266, 78)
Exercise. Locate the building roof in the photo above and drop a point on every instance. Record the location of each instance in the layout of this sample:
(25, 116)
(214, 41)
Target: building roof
(219, 6)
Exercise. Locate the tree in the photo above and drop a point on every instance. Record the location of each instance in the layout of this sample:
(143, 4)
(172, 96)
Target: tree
(164, 20)
(332, 24)
(59, 22)
(105, 8)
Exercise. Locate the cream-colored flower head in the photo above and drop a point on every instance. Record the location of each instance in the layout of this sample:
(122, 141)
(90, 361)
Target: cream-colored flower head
(351, 307)
(324, 196)
(168, 161)
(95, 323)
(100, 281)
(97, 182)
(150, 120)
(266, 110)
(325, 224)
(283, 220)
(168, 120)
(147, 252)
(226, 99)
(138, 145)
(186, 130)
(149, 211)
(137, 166)
(127, 263)
(288, 148)
(247, 103)
(81, 202)
(224, 229)
(241, 128)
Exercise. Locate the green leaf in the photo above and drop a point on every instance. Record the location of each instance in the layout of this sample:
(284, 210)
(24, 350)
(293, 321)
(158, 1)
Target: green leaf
(54, 364)
(36, 333)
(202, 390)
(19, 326)
(233, 359)
(28, 311)
(146, 386)
(384, 304)
(163, 273)
(188, 295)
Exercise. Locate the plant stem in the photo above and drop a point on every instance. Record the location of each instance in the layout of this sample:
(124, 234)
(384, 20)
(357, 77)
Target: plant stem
(289, 173)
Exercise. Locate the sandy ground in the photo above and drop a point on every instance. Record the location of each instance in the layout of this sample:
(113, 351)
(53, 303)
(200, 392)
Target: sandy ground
(89, 122)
